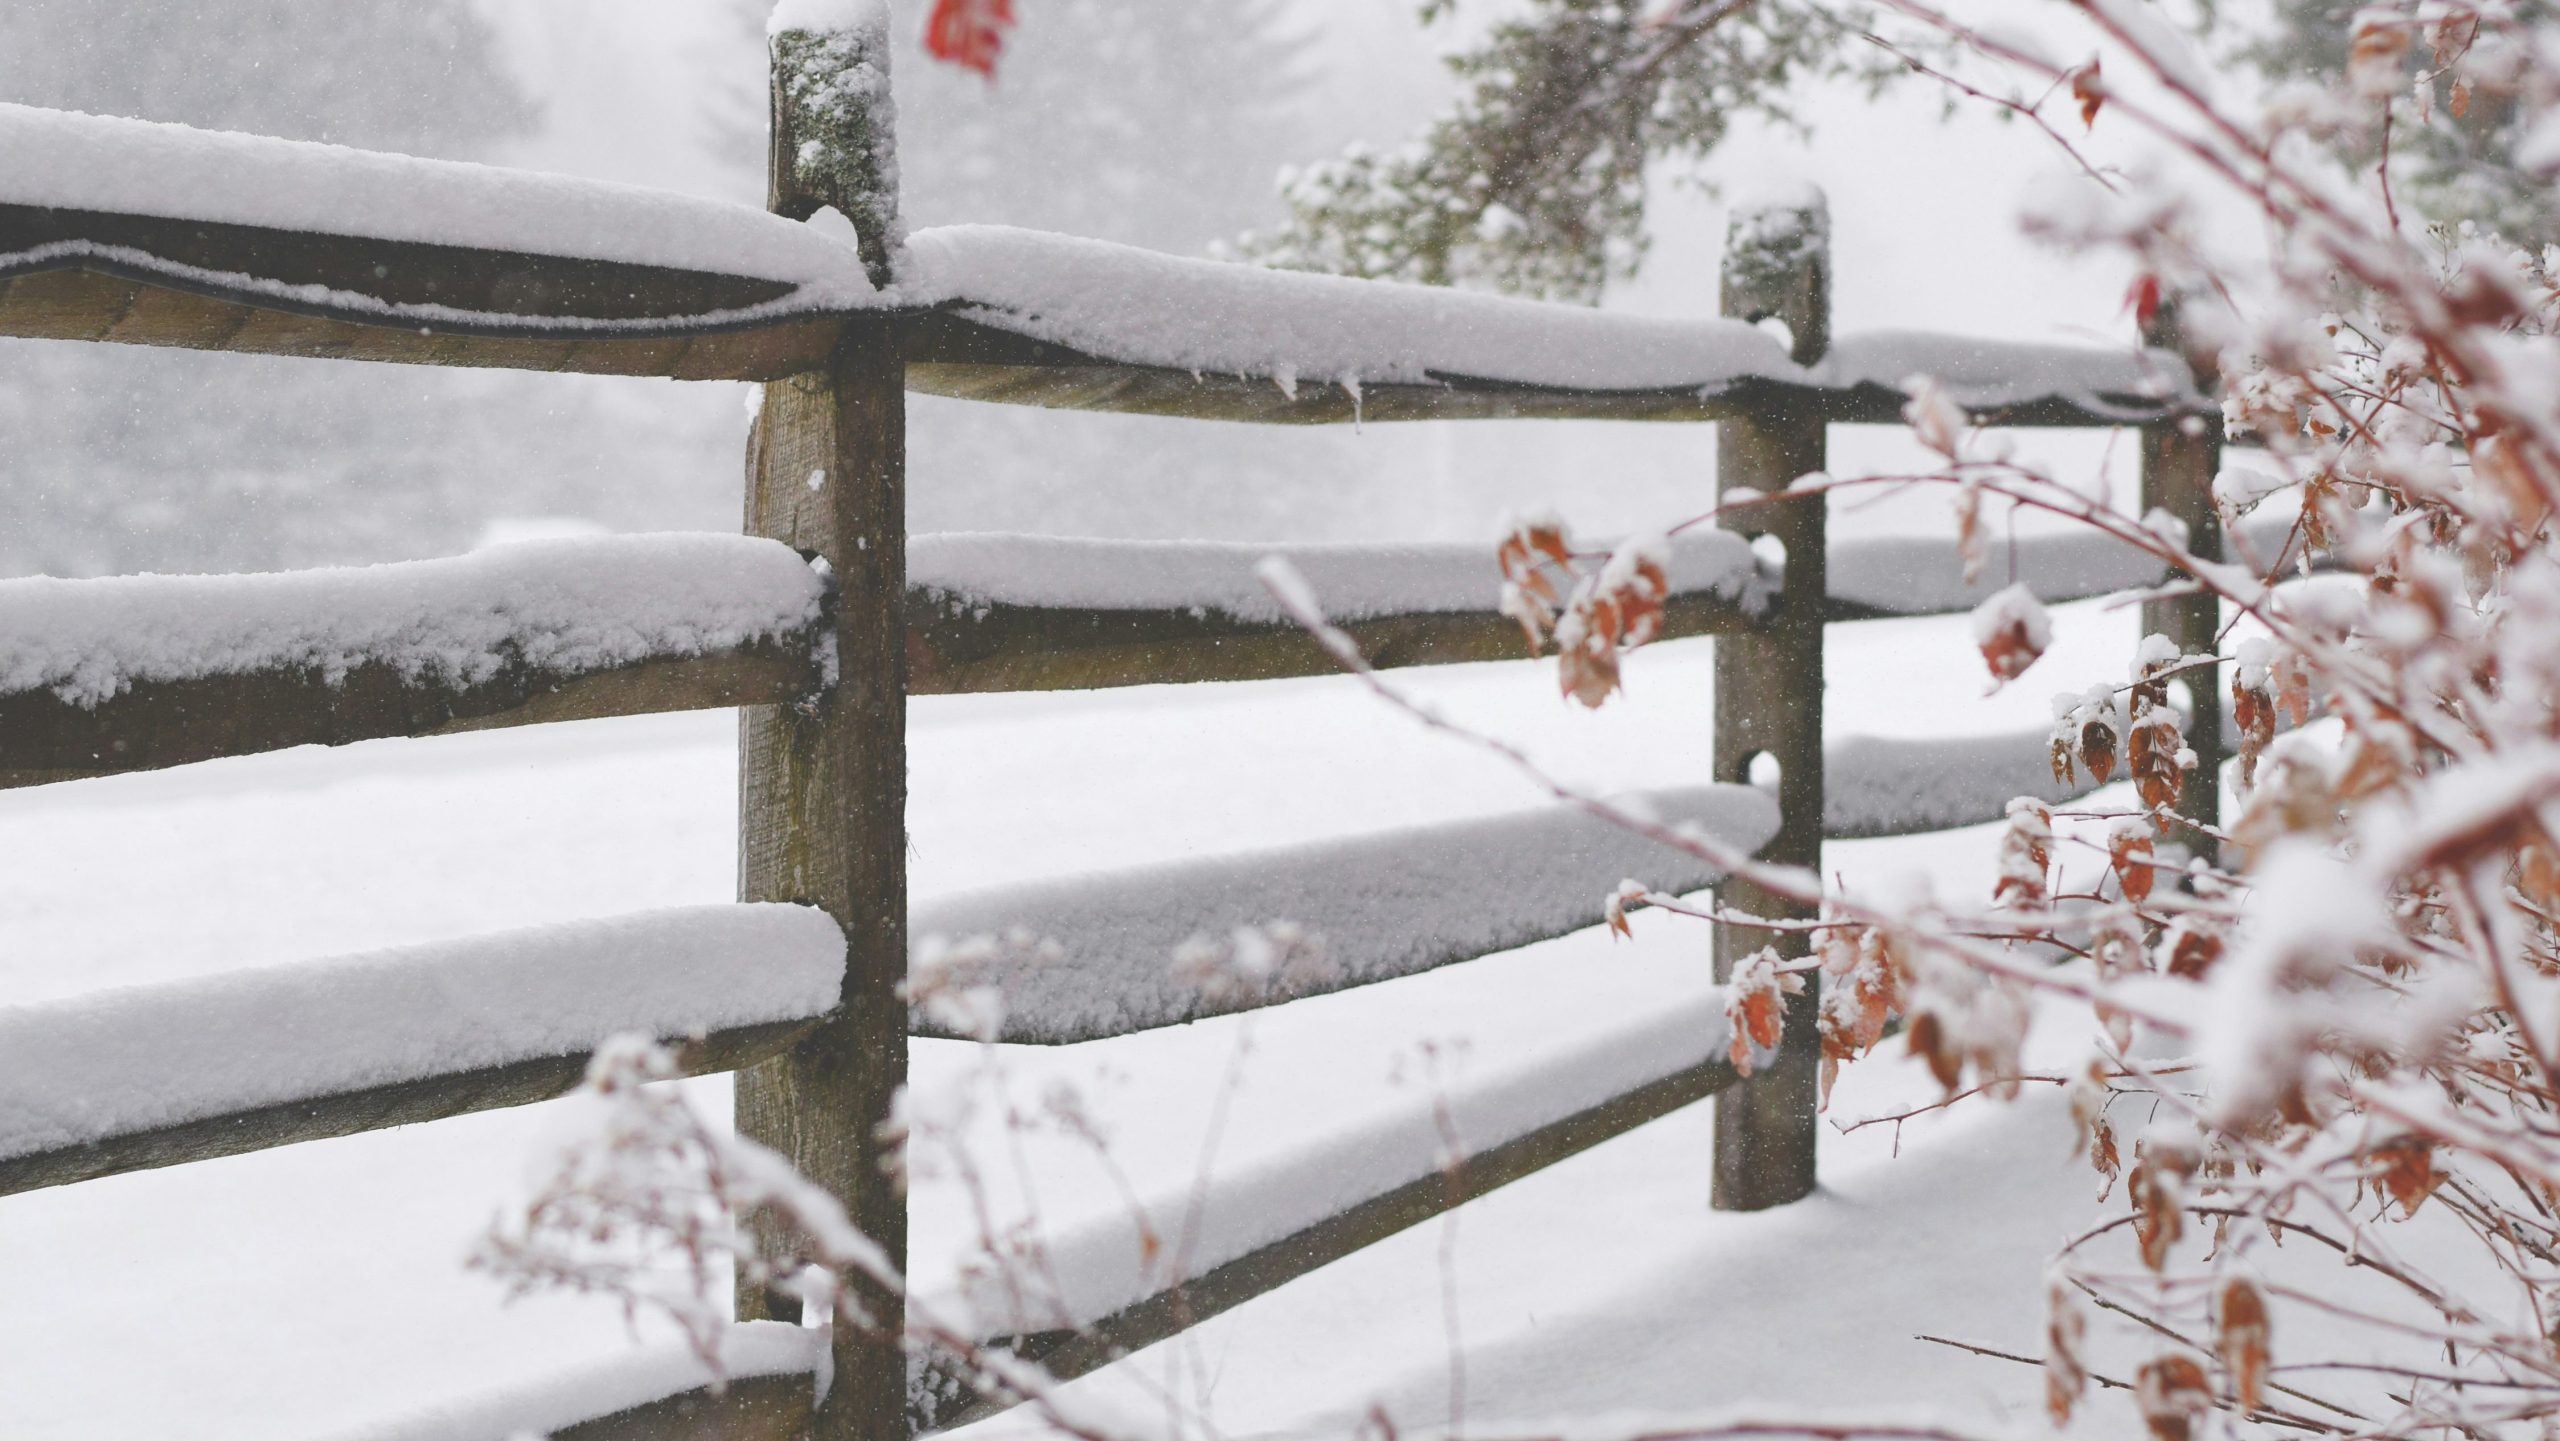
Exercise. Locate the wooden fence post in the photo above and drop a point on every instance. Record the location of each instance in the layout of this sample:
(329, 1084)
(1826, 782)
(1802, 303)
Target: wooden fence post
(822, 785)
(1769, 687)
(2180, 457)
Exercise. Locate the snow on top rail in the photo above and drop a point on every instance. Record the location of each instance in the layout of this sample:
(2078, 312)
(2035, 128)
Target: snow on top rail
(1099, 1268)
(1355, 582)
(768, 1368)
(63, 160)
(1383, 905)
(1331, 347)
(1143, 308)
(131, 230)
(91, 1068)
(559, 606)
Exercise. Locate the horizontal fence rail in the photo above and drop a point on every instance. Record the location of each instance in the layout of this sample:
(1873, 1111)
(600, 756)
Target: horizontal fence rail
(1255, 1230)
(1377, 906)
(140, 672)
(126, 231)
(578, 630)
(162, 1075)
(1014, 612)
(1424, 898)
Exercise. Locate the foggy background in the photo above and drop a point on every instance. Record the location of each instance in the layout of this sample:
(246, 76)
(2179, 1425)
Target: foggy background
(1159, 123)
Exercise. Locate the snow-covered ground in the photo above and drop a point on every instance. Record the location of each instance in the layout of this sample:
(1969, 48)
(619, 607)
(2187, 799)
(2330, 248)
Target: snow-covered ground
(308, 1291)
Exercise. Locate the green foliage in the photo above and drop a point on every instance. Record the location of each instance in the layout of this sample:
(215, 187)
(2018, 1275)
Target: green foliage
(1535, 182)
(2454, 168)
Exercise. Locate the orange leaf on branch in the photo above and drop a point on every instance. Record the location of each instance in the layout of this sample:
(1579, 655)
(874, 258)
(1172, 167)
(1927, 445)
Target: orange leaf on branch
(2089, 89)
(2129, 853)
(2012, 630)
(2241, 1340)
(2174, 1394)
(1755, 1009)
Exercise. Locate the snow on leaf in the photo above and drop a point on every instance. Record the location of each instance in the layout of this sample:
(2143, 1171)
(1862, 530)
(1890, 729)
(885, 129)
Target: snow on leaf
(2173, 1393)
(2129, 853)
(2012, 630)
(1755, 1009)
(1933, 416)
(2066, 1330)
(2241, 1339)
(2089, 91)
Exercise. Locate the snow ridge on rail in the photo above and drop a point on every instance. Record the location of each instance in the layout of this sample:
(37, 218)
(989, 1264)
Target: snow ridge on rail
(112, 1063)
(1355, 582)
(1383, 905)
(1115, 304)
(638, 1376)
(565, 606)
(1099, 1267)
(1886, 786)
(64, 160)
(1120, 304)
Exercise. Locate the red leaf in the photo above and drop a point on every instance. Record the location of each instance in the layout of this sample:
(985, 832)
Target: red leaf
(2091, 91)
(969, 33)
(2143, 299)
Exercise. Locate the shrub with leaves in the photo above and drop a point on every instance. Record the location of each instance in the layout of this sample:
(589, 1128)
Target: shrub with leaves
(2329, 1025)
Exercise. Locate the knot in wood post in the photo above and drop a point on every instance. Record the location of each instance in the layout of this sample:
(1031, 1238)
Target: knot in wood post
(823, 783)
(1768, 698)
(834, 135)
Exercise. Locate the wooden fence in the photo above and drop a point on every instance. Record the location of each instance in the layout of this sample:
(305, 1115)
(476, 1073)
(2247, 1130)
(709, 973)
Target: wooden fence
(822, 677)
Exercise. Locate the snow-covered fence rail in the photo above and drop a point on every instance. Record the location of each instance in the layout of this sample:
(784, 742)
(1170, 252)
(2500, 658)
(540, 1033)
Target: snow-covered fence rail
(121, 230)
(135, 673)
(129, 1079)
(1370, 908)
(138, 672)
(827, 618)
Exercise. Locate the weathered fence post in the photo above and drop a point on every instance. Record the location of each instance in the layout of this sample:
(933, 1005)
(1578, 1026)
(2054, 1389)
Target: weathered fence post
(2180, 457)
(822, 785)
(1769, 686)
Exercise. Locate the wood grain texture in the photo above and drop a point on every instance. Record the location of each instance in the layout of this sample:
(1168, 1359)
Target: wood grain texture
(957, 646)
(752, 1408)
(822, 816)
(2180, 459)
(374, 1108)
(822, 793)
(1768, 701)
(44, 738)
(146, 280)
(1069, 1354)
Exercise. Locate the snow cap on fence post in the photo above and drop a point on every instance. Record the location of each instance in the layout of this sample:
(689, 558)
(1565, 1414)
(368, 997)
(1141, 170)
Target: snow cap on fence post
(834, 121)
(1777, 265)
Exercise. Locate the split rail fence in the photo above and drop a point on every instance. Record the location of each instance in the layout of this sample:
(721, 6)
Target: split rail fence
(825, 618)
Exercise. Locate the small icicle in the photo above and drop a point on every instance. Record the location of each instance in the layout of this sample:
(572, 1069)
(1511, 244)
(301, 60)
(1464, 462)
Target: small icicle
(1359, 406)
(1286, 377)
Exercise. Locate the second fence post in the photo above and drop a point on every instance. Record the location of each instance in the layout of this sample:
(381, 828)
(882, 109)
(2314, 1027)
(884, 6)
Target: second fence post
(822, 786)
(1768, 702)
(2180, 457)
